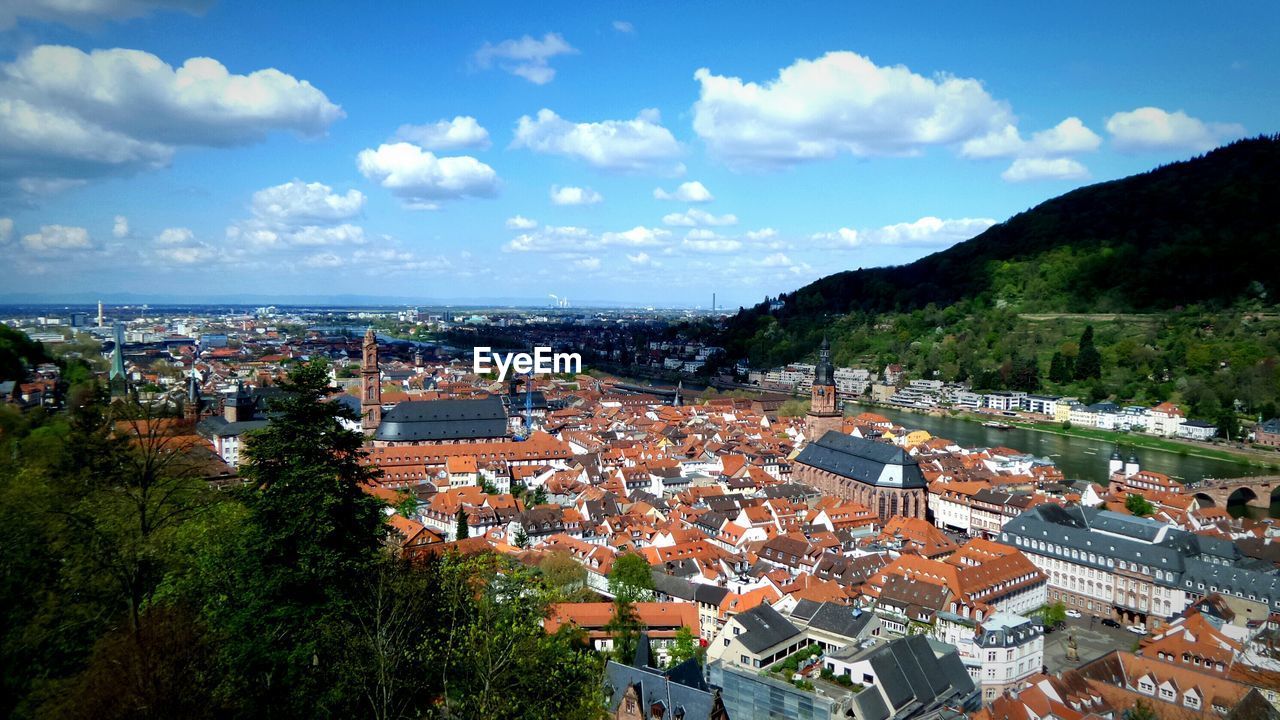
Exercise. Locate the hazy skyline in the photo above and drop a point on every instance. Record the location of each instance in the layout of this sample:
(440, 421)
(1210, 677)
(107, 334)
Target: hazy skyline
(627, 153)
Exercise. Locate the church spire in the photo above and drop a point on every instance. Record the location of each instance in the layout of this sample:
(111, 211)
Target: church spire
(370, 384)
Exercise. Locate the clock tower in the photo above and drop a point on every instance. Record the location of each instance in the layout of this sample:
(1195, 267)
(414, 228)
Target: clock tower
(824, 410)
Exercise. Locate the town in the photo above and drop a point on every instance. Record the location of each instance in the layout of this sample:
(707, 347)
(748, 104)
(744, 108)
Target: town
(810, 564)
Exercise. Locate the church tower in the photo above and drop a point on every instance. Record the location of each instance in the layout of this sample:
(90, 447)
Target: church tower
(824, 411)
(370, 385)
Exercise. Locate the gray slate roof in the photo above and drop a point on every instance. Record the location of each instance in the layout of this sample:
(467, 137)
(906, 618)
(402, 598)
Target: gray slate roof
(862, 460)
(765, 627)
(444, 420)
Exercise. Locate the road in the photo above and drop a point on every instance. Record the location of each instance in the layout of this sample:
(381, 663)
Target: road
(1093, 639)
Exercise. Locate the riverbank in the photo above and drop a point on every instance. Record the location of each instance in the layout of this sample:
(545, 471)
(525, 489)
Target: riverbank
(1187, 448)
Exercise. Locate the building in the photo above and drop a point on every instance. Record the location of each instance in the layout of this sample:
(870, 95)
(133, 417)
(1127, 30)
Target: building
(756, 639)
(641, 691)
(440, 422)
(999, 651)
(1197, 430)
(370, 385)
(242, 412)
(911, 677)
(824, 414)
(1165, 419)
(881, 477)
(1135, 570)
(1267, 433)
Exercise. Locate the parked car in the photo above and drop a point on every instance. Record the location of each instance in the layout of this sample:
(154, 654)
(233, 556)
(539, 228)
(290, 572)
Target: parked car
(1111, 623)
(1074, 614)
(1137, 629)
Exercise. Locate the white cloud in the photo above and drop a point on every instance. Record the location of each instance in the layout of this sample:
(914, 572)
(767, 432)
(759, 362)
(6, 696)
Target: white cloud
(704, 241)
(1067, 137)
(120, 227)
(421, 179)
(296, 202)
(640, 258)
(762, 234)
(520, 222)
(551, 238)
(66, 114)
(6, 230)
(690, 192)
(260, 236)
(58, 238)
(693, 217)
(636, 237)
(527, 56)
(840, 102)
(461, 132)
(175, 236)
(323, 260)
(570, 195)
(81, 12)
(927, 231)
(390, 260)
(642, 144)
(591, 263)
(1031, 168)
(1154, 129)
(624, 26)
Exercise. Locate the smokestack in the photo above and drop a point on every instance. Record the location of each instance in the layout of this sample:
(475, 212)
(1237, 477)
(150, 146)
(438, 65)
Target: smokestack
(713, 302)
(99, 313)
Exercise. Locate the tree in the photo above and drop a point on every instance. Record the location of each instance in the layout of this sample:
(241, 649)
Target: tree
(311, 538)
(1138, 505)
(685, 646)
(539, 497)
(463, 531)
(561, 574)
(624, 628)
(1089, 360)
(1053, 614)
(1061, 368)
(521, 539)
(631, 577)
(1229, 425)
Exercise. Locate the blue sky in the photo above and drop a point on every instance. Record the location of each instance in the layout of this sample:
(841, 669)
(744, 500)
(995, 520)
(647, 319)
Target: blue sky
(452, 150)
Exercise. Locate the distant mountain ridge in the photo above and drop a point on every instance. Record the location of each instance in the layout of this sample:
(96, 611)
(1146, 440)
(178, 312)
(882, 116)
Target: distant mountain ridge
(1201, 231)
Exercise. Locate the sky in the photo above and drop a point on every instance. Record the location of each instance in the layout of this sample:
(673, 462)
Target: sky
(643, 153)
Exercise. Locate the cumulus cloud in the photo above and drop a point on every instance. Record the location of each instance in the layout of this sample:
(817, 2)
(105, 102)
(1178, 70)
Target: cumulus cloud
(762, 234)
(624, 26)
(693, 217)
(67, 115)
(82, 12)
(690, 192)
(840, 102)
(421, 179)
(1034, 168)
(569, 239)
(1154, 129)
(260, 236)
(323, 260)
(6, 230)
(520, 222)
(462, 132)
(527, 57)
(640, 258)
(179, 246)
(1067, 137)
(590, 263)
(570, 195)
(120, 227)
(298, 202)
(53, 239)
(707, 242)
(638, 145)
(927, 231)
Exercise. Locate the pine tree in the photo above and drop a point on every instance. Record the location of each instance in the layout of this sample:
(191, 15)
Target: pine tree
(463, 531)
(1089, 361)
(1061, 368)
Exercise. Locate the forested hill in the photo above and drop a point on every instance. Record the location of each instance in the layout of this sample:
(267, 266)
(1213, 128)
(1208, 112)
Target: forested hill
(1203, 231)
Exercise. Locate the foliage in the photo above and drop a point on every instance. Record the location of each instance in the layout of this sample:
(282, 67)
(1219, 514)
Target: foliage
(1139, 505)
(463, 530)
(794, 408)
(631, 578)
(16, 351)
(685, 647)
(624, 628)
(1052, 615)
(129, 590)
(561, 574)
(1141, 710)
(521, 539)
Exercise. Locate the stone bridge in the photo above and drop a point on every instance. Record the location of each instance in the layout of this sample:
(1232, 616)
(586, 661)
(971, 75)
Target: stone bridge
(1255, 491)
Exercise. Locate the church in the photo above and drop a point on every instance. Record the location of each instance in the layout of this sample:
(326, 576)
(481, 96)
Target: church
(880, 476)
(425, 422)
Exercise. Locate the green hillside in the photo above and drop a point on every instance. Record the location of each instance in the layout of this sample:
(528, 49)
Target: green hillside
(1188, 254)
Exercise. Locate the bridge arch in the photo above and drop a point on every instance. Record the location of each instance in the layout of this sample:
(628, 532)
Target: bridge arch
(1243, 494)
(1206, 500)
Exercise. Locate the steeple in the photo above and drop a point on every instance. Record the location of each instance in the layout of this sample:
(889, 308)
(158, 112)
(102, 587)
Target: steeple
(824, 408)
(678, 400)
(370, 384)
(824, 373)
(117, 379)
(191, 409)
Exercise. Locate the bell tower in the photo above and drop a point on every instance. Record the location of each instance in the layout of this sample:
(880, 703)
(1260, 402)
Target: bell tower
(824, 410)
(370, 385)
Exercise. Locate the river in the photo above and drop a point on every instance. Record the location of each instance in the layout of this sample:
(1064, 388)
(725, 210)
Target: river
(1079, 458)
